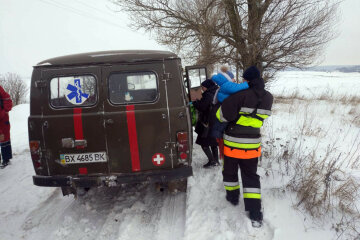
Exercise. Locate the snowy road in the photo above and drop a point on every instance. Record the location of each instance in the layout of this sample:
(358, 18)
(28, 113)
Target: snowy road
(135, 211)
(129, 212)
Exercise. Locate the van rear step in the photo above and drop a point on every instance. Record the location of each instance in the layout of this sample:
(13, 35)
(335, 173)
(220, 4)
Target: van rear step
(113, 180)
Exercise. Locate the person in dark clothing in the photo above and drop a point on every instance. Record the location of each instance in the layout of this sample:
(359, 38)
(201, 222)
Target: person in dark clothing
(245, 112)
(205, 122)
(5, 107)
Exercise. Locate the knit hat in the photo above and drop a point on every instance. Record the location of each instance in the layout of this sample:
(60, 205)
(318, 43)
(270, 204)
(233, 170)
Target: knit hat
(251, 73)
(208, 83)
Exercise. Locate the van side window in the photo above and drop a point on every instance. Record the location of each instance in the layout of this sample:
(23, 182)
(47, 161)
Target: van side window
(72, 91)
(133, 87)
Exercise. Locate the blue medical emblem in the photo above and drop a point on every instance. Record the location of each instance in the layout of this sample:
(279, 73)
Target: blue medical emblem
(76, 91)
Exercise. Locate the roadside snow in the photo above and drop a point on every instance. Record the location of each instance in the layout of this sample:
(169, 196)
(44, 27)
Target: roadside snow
(19, 134)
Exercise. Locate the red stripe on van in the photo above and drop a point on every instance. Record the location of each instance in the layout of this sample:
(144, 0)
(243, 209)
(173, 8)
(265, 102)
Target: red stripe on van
(133, 141)
(78, 127)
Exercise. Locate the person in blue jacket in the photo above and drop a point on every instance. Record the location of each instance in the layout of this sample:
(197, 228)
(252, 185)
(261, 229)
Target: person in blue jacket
(227, 88)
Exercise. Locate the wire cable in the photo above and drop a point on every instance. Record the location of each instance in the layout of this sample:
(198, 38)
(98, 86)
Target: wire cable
(81, 13)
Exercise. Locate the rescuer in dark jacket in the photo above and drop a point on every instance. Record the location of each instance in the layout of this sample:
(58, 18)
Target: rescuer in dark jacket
(205, 122)
(245, 111)
(5, 107)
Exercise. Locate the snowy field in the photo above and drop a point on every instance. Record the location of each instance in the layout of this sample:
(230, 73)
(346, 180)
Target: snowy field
(316, 120)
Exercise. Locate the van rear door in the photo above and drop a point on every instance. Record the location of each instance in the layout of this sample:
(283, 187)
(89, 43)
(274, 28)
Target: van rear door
(72, 122)
(137, 118)
(195, 75)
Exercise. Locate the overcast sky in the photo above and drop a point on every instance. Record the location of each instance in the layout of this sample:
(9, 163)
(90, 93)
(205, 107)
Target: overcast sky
(34, 30)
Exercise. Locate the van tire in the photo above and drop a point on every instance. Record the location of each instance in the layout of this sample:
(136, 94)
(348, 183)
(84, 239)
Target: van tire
(68, 190)
(177, 185)
(173, 186)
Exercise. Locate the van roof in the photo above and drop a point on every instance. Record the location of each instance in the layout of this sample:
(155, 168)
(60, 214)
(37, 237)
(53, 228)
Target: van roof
(120, 56)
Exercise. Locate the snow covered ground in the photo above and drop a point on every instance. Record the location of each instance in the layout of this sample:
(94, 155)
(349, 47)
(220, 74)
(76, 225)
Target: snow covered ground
(138, 211)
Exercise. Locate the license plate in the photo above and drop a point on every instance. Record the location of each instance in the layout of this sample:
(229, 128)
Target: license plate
(83, 158)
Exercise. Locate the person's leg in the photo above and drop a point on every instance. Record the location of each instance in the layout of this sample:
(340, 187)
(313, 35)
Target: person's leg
(251, 187)
(6, 152)
(208, 153)
(231, 180)
(220, 142)
(215, 153)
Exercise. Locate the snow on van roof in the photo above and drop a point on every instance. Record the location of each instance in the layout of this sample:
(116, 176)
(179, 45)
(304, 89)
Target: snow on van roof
(126, 56)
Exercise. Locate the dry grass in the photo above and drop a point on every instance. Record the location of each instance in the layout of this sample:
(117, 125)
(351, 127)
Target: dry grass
(323, 186)
(325, 96)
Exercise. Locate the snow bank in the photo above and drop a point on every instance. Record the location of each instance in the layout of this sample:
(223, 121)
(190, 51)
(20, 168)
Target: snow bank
(18, 132)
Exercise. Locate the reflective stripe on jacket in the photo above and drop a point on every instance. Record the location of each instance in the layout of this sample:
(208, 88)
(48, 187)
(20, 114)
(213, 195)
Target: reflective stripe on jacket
(243, 131)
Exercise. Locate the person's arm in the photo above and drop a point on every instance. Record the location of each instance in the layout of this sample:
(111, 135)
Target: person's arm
(229, 110)
(203, 104)
(2, 113)
(231, 87)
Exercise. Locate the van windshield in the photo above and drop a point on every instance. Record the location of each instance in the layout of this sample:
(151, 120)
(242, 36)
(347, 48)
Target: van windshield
(133, 87)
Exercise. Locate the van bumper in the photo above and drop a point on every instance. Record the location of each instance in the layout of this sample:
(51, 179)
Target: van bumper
(85, 181)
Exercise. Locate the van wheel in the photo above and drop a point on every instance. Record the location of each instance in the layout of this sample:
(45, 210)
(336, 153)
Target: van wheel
(177, 185)
(68, 190)
(81, 191)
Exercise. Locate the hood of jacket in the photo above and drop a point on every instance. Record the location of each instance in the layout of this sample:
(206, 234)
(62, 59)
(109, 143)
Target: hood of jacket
(220, 79)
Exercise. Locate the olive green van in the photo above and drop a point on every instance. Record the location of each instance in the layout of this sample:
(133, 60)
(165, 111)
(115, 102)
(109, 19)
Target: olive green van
(108, 118)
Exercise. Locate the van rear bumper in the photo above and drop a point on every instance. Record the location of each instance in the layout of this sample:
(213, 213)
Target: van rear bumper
(163, 175)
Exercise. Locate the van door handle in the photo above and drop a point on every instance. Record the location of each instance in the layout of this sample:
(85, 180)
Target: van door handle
(109, 121)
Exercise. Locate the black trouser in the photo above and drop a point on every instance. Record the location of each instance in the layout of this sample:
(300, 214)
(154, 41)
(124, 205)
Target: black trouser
(250, 181)
(6, 152)
(213, 154)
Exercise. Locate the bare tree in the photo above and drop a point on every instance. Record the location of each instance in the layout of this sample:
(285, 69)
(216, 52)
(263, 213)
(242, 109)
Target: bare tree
(271, 34)
(274, 34)
(15, 86)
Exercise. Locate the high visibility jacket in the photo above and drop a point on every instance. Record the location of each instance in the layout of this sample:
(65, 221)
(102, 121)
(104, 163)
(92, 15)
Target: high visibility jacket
(243, 130)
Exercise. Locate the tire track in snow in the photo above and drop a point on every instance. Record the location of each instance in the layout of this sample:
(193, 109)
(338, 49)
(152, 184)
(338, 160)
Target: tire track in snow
(209, 215)
(154, 215)
(136, 211)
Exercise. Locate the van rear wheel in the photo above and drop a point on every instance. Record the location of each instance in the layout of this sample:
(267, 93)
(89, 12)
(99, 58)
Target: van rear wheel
(79, 191)
(173, 186)
(177, 185)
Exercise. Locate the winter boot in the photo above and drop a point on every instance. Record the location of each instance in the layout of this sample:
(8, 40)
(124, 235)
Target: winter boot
(233, 196)
(215, 155)
(208, 153)
(256, 218)
(4, 164)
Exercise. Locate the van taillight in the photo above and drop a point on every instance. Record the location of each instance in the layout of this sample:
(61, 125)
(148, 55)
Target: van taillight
(182, 145)
(35, 153)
